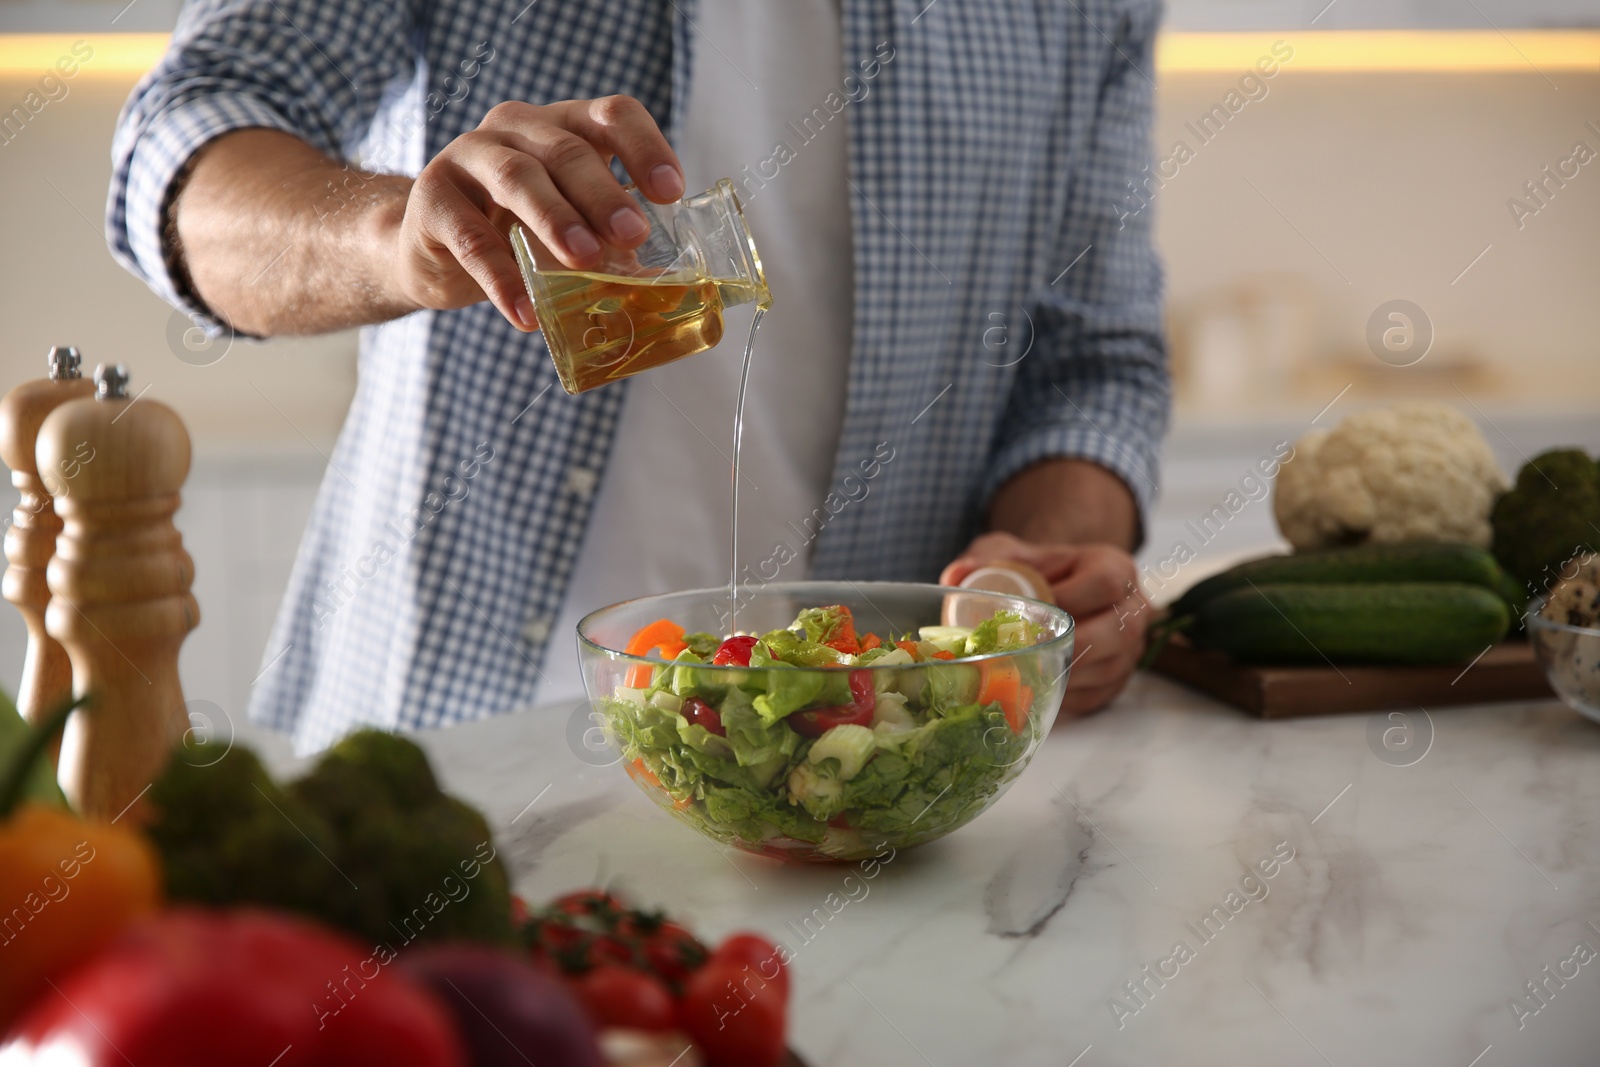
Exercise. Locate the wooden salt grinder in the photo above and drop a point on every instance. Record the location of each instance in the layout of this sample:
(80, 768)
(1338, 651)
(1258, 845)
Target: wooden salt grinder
(119, 584)
(31, 540)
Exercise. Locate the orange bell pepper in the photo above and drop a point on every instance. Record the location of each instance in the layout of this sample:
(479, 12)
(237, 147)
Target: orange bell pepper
(663, 636)
(1024, 706)
(67, 887)
(640, 770)
(999, 682)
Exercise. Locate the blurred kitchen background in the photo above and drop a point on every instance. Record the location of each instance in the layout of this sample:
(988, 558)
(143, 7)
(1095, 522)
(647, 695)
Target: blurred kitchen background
(1377, 164)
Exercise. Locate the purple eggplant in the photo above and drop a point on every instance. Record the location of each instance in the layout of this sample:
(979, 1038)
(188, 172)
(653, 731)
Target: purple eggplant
(509, 1013)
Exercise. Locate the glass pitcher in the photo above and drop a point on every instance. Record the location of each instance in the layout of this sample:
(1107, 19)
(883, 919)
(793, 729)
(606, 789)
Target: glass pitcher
(650, 305)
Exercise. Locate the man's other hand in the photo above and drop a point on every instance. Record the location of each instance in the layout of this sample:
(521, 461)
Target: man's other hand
(1098, 585)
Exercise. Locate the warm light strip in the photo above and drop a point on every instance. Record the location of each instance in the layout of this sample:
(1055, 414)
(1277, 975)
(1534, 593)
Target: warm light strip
(115, 54)
(1524, 51)
(1517, 51)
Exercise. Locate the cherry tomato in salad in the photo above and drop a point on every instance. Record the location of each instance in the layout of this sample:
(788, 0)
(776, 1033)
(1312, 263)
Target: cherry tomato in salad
(733, 1024)
(519, 912)
(622, 996)
(818, 721)
(863, 690)
(699, 713)
(759, 955)
(734, 652)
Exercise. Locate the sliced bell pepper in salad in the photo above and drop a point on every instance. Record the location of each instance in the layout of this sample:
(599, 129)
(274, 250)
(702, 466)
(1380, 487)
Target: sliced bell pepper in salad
(776, 753)
(1000, 683)
(663, 636)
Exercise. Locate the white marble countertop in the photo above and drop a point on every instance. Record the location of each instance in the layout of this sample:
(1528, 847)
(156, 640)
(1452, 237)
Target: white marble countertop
(1419, 901)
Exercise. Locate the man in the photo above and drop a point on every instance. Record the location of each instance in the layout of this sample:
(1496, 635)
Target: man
(965, 336)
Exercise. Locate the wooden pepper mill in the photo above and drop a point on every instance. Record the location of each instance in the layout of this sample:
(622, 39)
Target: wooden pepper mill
(31, 540)
(119, 588)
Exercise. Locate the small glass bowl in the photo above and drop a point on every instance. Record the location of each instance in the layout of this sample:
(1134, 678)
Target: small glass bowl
(1570, 656)
(923, 790)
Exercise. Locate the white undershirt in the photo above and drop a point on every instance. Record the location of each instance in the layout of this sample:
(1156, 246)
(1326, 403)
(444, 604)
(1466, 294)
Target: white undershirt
(660, 521)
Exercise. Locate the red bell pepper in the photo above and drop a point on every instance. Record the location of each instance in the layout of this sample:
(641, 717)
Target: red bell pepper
(843, 638)
(204, 988)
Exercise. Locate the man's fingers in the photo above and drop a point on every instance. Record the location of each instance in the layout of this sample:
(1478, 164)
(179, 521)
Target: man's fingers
(623, 126)
(1100, 579)
(586, 183)
(460, 227)
(517, 181)
(1106, 648)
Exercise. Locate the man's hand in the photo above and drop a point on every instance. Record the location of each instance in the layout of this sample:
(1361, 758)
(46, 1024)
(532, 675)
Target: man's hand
(279, 238)
(1098, 586)
(545, 166)
(1074, 521)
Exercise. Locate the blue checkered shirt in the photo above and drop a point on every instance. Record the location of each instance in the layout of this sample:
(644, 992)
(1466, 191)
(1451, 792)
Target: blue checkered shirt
(1007, 307)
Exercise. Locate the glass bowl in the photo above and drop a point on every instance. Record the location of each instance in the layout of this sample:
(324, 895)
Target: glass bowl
(777, 780)
(1570, 656)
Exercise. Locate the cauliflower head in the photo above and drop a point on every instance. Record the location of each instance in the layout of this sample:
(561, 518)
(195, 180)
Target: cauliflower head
(1413, 472)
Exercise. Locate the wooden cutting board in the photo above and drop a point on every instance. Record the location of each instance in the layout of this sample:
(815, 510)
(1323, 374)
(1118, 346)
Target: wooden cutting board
(1506, 672)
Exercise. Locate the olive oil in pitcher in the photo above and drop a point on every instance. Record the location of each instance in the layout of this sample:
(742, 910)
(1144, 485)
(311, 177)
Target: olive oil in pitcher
(654, 304)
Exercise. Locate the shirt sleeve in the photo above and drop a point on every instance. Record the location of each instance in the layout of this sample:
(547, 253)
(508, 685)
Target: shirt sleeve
(313, 68)
(1095, 384)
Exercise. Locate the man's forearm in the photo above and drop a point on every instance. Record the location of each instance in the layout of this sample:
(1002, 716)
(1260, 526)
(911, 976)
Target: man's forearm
(1066, 501)
(277, 238)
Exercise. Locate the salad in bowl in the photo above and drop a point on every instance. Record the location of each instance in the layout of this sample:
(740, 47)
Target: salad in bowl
(835, 720)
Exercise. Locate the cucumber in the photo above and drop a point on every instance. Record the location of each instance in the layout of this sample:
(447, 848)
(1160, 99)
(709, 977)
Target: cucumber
(1362, 564)
(1391, 622)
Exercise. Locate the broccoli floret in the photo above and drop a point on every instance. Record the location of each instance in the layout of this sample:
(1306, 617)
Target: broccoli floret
(422, 863)
(227, 834)
(366, 842)
(1550, 516)
(387, 761)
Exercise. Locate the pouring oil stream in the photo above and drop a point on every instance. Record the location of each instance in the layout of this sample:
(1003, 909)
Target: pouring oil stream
(738, 438)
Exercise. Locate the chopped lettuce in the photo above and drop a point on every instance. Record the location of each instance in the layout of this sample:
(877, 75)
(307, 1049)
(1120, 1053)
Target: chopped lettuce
(786, 689)
(823, 624)
(1004, 631)
(702, 644)
(753, 739)
(938, 686)
(849, 746)
(798, 651)
(930, 758)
